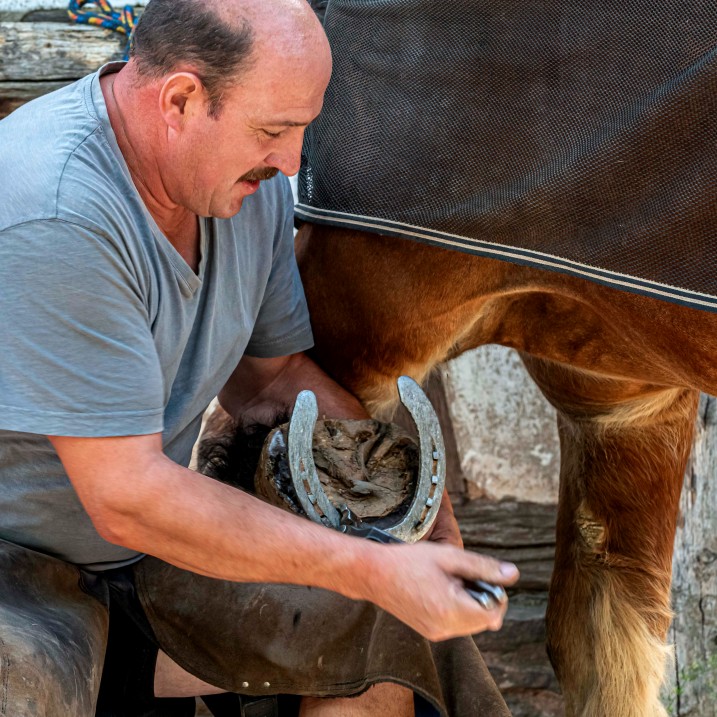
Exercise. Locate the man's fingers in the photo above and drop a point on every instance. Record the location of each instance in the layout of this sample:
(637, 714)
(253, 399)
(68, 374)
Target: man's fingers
(492, 618)
(462, 615)
(480, 567)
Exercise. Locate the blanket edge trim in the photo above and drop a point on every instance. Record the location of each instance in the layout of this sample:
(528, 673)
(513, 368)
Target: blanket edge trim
(525, 257)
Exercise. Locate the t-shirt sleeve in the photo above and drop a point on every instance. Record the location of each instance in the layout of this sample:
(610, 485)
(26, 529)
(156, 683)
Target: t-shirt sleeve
(77, 356)
(282, 326)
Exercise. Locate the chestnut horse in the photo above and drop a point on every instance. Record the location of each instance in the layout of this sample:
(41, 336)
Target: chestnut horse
(624, 372)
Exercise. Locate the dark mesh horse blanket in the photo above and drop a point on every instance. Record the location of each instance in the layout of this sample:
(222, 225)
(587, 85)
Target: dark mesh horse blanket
(573, 135)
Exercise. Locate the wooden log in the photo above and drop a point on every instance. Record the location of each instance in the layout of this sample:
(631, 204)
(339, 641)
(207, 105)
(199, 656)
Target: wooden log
(58, 15)
(48, 51)
(505, 430)
(22, 9)
(524, 533)
(521, 532)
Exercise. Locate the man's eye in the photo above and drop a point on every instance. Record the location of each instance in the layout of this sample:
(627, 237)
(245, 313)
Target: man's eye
(271, 134)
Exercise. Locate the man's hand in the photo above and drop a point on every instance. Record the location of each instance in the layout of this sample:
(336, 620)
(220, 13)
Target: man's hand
(421, 585)
(261, 389)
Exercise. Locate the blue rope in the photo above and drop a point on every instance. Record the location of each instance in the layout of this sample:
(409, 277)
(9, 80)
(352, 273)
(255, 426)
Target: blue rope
(101, 14)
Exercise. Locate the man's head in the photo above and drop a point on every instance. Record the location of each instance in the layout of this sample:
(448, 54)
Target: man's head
(180, 33)
(232, 86)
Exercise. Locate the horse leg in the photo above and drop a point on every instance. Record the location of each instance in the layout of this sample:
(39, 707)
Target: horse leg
(624, 447)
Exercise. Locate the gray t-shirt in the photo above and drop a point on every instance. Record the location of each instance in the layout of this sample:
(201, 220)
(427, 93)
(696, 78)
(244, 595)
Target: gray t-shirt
(104, 328)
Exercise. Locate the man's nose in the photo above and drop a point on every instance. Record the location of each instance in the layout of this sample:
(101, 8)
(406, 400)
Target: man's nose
(287, 158)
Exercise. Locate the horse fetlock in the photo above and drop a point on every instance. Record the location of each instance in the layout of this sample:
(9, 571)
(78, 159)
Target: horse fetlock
(620, 668)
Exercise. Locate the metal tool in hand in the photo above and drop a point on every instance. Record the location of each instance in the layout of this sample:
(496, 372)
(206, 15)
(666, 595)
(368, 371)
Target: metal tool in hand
(427, 496)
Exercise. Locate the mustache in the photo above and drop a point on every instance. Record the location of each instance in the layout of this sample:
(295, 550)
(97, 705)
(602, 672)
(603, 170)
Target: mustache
(259, 174)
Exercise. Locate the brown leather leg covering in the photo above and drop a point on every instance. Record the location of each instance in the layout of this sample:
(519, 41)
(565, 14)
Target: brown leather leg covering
(267, 639)
(52, 637)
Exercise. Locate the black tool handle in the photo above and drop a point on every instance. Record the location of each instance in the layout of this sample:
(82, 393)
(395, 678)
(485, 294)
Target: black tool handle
(487, 594)
(371, 533)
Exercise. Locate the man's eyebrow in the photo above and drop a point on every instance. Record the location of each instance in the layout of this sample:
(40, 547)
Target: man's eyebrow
(287, 123)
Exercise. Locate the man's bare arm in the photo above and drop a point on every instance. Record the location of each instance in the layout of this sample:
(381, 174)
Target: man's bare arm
(139, 498)
(260, 388)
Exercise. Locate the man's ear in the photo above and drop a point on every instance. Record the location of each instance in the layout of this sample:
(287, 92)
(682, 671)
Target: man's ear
(181, 96)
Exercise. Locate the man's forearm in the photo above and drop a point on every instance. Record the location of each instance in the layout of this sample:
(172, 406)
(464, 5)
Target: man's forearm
(262, 389)
(205, 526)
(139, 498)
(214, 529)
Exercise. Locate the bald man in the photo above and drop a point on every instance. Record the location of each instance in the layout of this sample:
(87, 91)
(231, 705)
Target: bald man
(146, 265)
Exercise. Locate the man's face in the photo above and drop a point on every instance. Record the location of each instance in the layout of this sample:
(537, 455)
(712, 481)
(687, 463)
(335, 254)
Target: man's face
(258, 132)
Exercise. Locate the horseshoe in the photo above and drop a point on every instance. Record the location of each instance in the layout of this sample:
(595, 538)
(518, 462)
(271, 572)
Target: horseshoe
(431, 475)
(301, 462)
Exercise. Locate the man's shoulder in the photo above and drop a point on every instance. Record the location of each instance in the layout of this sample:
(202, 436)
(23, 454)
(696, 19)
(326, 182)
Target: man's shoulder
(45, 147)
